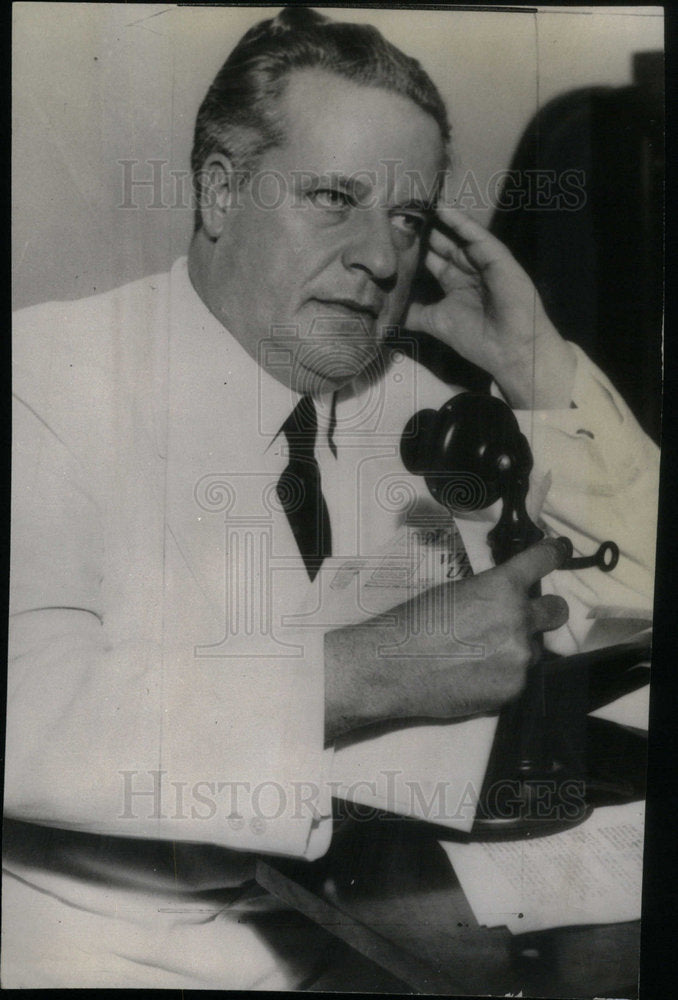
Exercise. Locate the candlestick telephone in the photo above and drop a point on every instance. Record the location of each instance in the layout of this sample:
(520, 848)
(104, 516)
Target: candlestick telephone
(551, 763)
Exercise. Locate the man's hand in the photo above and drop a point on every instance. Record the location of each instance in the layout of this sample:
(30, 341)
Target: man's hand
(455, 650)
(492, 315)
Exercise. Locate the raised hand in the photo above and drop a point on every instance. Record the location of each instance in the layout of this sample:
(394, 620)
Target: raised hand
(492, 315)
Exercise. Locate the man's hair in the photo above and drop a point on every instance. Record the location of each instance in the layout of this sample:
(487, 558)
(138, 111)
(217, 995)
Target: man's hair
(241, 117)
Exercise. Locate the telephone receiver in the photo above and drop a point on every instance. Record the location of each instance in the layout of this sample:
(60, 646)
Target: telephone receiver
(472, 453)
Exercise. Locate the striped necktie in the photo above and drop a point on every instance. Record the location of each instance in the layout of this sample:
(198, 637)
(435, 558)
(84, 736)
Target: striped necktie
(299, 489)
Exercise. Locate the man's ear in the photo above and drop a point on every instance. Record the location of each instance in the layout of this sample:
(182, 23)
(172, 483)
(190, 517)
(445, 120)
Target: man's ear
(217, 193)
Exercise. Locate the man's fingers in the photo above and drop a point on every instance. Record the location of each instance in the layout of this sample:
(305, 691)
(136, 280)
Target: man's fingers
(450, 274)
(481, 246)
(540, 559)
(416, 318)
(450, 252)
(436, 264)
(549, 612)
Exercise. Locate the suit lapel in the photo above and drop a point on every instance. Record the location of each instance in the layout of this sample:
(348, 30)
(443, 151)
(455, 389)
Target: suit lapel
(229, 547)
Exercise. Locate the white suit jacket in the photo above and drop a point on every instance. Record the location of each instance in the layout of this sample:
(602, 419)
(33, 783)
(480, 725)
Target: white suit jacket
(156, 587)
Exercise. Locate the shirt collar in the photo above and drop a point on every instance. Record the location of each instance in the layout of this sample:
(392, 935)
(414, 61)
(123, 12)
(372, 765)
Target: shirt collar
(207, 339)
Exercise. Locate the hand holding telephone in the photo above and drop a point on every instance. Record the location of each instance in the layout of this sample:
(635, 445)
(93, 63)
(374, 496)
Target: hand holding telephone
(478, 436)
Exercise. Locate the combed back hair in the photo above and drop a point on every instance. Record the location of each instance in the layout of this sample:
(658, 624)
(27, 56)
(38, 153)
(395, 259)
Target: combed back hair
(241, 116)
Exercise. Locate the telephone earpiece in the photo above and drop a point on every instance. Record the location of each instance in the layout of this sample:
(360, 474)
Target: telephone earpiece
(472, 435)
(471, 453)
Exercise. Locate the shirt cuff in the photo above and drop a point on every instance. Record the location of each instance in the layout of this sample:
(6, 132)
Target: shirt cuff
(597, 445)
(320, 833)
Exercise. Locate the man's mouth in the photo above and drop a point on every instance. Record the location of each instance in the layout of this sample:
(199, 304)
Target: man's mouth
(351, 307)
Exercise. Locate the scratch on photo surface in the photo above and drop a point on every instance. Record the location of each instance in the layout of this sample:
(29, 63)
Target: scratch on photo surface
(142, 20)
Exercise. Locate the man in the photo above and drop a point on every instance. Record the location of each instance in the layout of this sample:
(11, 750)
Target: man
(181, 666)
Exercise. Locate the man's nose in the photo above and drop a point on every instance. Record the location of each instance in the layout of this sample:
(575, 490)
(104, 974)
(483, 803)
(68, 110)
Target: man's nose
(371, 248)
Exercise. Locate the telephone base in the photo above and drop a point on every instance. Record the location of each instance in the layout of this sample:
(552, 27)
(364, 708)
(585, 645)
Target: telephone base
(615, 763)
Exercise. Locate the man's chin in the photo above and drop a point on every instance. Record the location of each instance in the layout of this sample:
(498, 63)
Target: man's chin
(319, 374)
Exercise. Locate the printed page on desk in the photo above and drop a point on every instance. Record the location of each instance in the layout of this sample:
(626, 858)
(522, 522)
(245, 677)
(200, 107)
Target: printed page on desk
(428, 771)
(591, 874)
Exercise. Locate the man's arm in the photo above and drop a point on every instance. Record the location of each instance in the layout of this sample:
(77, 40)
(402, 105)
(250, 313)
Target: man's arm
(112, 730)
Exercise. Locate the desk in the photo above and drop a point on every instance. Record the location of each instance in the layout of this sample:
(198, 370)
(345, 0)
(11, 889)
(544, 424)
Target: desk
(386, 886)
(387, 889)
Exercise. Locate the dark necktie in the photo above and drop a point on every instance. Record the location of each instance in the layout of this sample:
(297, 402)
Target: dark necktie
(299, 489)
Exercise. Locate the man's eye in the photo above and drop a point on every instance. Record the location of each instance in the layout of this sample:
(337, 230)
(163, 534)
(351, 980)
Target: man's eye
(409, 223)
(330, 199)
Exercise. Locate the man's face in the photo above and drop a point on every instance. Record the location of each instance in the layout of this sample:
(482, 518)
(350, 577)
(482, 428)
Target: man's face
(318, 254)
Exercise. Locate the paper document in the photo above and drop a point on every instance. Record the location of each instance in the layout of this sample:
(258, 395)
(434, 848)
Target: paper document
(590, 874)
(622, 625)
(631, 709)
(611, 626)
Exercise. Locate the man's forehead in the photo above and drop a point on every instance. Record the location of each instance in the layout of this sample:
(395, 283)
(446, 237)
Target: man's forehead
(336, 125)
